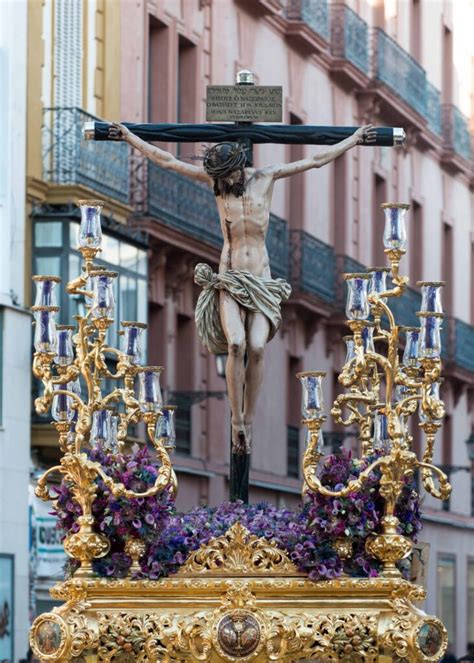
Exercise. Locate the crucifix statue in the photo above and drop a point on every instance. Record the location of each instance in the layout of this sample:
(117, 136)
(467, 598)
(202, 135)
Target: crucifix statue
(239, 309)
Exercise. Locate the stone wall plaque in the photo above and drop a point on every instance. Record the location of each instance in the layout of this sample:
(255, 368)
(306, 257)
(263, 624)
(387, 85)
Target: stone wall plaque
(244, 103)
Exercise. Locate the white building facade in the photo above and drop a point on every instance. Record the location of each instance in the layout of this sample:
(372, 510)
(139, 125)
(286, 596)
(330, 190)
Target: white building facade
(15, 332)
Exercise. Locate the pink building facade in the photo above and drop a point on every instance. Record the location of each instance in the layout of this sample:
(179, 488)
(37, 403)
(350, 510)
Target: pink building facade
(339, 65)
(403, 64)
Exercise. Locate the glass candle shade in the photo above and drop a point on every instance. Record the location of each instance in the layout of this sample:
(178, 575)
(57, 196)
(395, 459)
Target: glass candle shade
(61, 408)
(431, 296)
(381, 439)
(432, 391)
(313, 403)
(103, 301)
(45, 290)
(149, 395)
(46, 338)
(357, 306)
(101, 428)
(64, 351)
(112, 444)
(430, 335)
(165, 429)
(395, 234)
(378, 280)
(368, 338)
(320, 442)
(350, 348)
(90, 231)
(131, 341)
(412, 346)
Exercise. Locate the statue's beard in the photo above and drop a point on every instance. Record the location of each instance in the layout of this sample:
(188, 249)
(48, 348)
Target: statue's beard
(236, 188)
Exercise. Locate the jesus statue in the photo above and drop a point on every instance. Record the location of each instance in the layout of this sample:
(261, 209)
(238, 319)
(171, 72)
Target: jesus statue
(239, 309)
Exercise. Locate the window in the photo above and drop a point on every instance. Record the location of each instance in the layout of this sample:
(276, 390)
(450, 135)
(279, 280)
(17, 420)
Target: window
(380, 196)
(293, 418)
(416, 242)
(183, 428)
(293, 451)
(446, 599)
(55, 255)
(296, 184)
(415, 32)
(470, 600)
(447, 266)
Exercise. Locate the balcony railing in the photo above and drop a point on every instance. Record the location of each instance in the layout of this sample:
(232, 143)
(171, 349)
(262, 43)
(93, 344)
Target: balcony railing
(69, 159)
(405, 308)
(400, 72)
(433, 108)
(464, 345)
(456, 134)
(349, 37)
(312, 266)
(315, 13)
(191, 208)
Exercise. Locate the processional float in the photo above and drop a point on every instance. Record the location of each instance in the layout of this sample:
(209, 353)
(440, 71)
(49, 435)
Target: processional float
(238, 596)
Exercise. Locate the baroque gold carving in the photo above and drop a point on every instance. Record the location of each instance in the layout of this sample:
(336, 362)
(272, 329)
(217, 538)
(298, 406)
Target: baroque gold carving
(238, 552)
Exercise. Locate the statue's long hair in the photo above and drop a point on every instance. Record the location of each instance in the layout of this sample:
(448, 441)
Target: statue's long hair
(220, 161)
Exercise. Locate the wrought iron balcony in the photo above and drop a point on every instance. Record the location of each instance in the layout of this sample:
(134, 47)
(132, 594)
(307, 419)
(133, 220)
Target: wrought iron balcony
(69, 159)
(312, 266)
(456, 134)
(433, 108)
(315, 13)
(464, 345)
(405, 308)
(400, 72)
(349, 37)
(190, 207)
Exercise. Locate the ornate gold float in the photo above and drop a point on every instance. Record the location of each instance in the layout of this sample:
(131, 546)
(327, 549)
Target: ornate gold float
(239, 597)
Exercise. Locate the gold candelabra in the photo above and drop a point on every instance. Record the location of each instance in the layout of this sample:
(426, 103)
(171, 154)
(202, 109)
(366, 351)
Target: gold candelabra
(383, 390)
(72, 362)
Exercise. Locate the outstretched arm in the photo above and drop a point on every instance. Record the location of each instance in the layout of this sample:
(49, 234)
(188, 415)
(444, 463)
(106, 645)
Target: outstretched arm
(158, 156)
(365, 135)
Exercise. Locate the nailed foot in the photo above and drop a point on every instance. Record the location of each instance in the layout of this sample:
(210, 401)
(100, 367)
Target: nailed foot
(241, 438)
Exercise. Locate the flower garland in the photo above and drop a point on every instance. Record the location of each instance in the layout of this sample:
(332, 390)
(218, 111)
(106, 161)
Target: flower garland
(306, 534)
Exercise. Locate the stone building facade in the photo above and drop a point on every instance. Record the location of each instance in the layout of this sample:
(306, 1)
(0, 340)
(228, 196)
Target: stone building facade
(405, 63)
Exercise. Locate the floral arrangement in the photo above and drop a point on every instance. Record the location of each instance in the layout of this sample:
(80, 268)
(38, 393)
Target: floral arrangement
(306, 534)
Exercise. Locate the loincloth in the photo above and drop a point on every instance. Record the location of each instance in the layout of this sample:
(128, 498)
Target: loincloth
(253, 293)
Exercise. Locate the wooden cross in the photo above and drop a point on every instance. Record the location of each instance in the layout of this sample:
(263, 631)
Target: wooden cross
(240, 106)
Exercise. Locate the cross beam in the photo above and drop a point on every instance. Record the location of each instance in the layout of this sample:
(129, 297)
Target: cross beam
(299, 134)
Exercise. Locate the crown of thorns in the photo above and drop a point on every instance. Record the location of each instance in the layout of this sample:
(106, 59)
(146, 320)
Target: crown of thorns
(222, 159)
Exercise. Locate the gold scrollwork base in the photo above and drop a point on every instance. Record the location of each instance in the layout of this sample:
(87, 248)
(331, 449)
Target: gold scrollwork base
(238, 610)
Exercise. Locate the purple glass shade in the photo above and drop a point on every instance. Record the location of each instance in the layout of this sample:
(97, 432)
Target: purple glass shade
(61, 408)
(45, 290)
(368, 339)
(90, 231)
(381, 439)
(395, 234)
(103, 301)
(378, 280)
(411, 351)
(100, 428)
(430, 337)
(150, 391)
(431, 296)
(131, 340)
(45, 328)
(350, 348)
(313, 402)
(165, 429)
(357, 306)
(64, 352)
